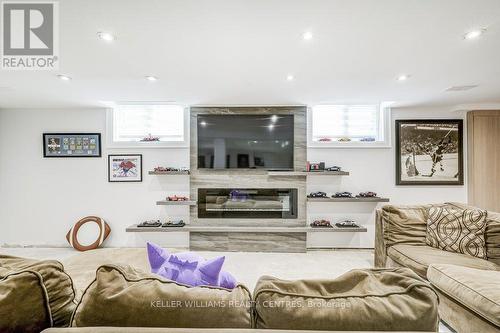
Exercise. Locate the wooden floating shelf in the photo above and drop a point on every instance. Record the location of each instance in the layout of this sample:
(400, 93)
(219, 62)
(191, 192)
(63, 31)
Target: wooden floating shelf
(306, 173)
(208, 229)
(375, 199)
(176, 203)
(168, 173)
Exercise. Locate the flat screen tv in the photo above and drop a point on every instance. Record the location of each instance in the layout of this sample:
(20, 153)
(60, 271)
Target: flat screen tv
(245, 142)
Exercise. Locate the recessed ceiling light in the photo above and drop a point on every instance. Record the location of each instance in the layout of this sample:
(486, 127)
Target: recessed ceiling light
(274, 118)
(474, 34)
(403, 77)
(203, 123)
(107, 36)
(290, 77)
(307, 35)
(151, 78)
(63, 77)
(270, 126)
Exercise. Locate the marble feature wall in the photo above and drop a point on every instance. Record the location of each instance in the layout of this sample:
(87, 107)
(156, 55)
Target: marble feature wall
(250, 178)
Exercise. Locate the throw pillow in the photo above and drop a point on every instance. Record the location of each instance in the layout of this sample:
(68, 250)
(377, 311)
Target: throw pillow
(189, 268)
(457, 230)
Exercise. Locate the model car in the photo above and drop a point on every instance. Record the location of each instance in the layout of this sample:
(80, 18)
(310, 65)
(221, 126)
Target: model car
(344, 140)
(176, 198)
(324, 140)
(367, 194)
(333, 168)
(367, 139)
(321, 224)
(347, 224)
(342, 195)
(317, 195)
(174, 223)
(150, 223)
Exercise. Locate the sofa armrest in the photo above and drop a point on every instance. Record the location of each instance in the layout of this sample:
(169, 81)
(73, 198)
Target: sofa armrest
(380, 245)
(398, 225)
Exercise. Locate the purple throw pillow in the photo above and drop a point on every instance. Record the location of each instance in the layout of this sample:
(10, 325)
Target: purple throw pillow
(189, 268)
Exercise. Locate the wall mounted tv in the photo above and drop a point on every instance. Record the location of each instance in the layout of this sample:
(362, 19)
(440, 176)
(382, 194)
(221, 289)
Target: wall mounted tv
(245, 142)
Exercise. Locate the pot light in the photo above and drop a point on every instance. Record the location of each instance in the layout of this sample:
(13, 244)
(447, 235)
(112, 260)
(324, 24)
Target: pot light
(203, 123)
(151, 78)
(63, 77)
(474, 34)
(270, 126)
(403, 77)
(274, 118)
(106, 36)
(307, 35)
(290, 77)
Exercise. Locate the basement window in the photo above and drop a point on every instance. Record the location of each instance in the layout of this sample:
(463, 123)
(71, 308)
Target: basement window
(147, 125)
(348, 126)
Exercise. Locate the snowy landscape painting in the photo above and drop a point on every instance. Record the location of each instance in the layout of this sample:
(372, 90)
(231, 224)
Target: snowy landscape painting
(429, 152)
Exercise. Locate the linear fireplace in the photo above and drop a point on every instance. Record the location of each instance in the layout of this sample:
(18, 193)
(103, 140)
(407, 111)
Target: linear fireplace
(261, 203)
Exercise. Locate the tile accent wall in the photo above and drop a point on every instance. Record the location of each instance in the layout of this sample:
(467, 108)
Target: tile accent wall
(250, 178)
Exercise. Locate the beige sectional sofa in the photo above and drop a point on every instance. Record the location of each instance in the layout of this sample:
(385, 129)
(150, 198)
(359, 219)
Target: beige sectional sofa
(469, 287)
(114, 292)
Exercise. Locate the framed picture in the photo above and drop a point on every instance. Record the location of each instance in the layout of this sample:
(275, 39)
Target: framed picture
(125, 168)
(71, 144)
(429, 152)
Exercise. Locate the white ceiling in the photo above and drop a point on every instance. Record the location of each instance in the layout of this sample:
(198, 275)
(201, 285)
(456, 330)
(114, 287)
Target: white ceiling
(240, 52)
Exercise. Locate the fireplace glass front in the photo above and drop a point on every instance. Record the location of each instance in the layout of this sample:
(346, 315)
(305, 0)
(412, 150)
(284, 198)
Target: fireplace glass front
(271, 203)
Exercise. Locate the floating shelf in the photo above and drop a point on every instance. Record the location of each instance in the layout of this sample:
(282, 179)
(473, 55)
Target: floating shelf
(337, 229)
(176, 203)
(328, 173)
(306, 173)
(374, 199)
(191, 228)
(169, 173)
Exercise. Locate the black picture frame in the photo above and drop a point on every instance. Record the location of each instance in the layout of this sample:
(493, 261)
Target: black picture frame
(62, 152)
(436, 158)
(136, 180)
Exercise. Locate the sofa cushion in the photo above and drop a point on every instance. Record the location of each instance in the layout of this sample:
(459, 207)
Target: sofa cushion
(418, 258)
(82, 267)
(360, 300)
(126, 297)
(57, 283)
(458, 230)
(476, 289)
(404, 224)
(24, 304)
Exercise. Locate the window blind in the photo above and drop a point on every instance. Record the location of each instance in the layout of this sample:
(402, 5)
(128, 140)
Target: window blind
(135, 122)
(345, 121)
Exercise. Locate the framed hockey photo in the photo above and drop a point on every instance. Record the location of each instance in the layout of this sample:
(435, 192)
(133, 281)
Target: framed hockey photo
(125, 168)
(429, 152)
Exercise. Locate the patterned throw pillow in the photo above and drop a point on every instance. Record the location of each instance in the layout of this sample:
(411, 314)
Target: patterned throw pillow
(457, 230)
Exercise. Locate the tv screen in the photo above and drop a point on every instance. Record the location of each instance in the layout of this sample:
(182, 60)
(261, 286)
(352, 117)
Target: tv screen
(245, 142)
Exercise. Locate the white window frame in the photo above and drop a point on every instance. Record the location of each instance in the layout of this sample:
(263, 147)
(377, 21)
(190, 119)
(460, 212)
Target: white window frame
(111, 143)
(384, 132)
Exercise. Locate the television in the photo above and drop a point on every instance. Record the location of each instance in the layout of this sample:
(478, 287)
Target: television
(245, 142)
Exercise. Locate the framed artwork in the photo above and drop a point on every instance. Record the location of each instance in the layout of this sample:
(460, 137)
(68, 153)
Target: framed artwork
(429, 152)
(125, 168)
(71, 144)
